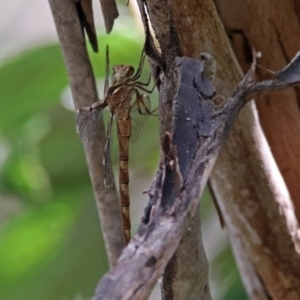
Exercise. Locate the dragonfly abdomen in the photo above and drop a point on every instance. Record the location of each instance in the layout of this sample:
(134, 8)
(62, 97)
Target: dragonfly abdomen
(124, 133)
(122, 98)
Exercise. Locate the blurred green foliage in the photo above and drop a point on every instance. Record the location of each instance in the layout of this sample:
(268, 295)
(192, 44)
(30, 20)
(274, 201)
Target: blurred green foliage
(52, 249)
(50, 242)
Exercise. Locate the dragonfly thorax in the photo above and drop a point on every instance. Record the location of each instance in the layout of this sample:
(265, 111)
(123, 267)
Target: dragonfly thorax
(121, 73)
(120, 100)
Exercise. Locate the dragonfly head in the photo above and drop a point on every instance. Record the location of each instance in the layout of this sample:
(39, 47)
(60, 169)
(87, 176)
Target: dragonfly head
(121, 73)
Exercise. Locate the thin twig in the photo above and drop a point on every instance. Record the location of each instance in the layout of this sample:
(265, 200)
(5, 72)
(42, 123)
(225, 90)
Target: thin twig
(84, 93)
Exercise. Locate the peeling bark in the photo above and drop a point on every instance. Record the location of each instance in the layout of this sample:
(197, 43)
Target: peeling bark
(200, 129)
(245, 173)
(85, 13)
(251, 193)
(273, 32)
(110, 13)
(186, 275)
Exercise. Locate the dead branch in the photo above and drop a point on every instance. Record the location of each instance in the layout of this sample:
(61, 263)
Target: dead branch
(86, 16)
(246, 180)
(171, 166)
(110, 13)
(278, 112)
(186, 276)
(84, 93)
(199, 132)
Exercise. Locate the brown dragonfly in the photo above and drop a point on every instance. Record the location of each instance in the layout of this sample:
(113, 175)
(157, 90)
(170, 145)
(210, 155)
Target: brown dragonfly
(130, 109)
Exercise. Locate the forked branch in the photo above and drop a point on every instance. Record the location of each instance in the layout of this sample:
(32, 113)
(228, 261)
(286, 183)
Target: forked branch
(199, 131)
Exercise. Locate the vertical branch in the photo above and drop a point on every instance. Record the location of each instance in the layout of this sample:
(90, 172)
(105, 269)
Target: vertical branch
(162, 23)
(186, 275)
(279, 113)
(246, 181)
(187, 160)
(84, 93)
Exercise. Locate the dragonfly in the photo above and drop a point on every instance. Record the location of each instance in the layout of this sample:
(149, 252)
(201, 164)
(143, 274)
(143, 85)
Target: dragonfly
(129, 108)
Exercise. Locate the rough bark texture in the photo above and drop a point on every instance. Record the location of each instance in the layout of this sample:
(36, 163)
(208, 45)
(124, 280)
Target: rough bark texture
(184, 270)
(197, 34)
(84, 93)
(196, 279)
(246, 154)
(249, 188)
(186, 275)
(200, 129)
(271, 27)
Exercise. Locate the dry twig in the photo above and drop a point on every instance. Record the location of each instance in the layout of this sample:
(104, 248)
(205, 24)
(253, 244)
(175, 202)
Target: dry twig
(84, 93)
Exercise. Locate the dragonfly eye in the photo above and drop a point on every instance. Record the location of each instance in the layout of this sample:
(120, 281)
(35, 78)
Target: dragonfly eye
(130, 71)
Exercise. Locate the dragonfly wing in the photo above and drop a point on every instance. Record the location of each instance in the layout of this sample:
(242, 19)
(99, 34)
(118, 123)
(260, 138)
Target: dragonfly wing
(86, 121)
(107, 165)
(140, 112)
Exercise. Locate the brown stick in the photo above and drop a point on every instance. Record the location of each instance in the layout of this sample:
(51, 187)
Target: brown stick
(186, 275)
(245, 177)
(279, 113)
(84, 93)
(200, 129)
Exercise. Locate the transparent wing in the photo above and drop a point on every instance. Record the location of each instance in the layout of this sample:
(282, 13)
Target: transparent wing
(86, 121)
(107, 166)
(140, 112)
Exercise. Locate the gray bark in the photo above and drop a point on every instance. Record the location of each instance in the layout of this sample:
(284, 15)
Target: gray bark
(83, 87)
(199, 131)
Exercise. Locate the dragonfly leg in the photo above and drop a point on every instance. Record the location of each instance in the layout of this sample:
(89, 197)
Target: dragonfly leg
(138, 73)
(145, 90)
(135, 84)
(152, 112)
(140, 84)
(144, 83)
(142, 107)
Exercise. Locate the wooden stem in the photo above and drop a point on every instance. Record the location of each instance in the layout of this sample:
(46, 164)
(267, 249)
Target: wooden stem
(84, 93)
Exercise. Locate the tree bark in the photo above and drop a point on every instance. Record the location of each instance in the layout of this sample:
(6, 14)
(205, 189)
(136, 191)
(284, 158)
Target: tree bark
(246, 180)
(186, 275)
(84, 93)
(246, 154)
(200, 128)
(245, 177)
(273, 33)
(193, 30)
